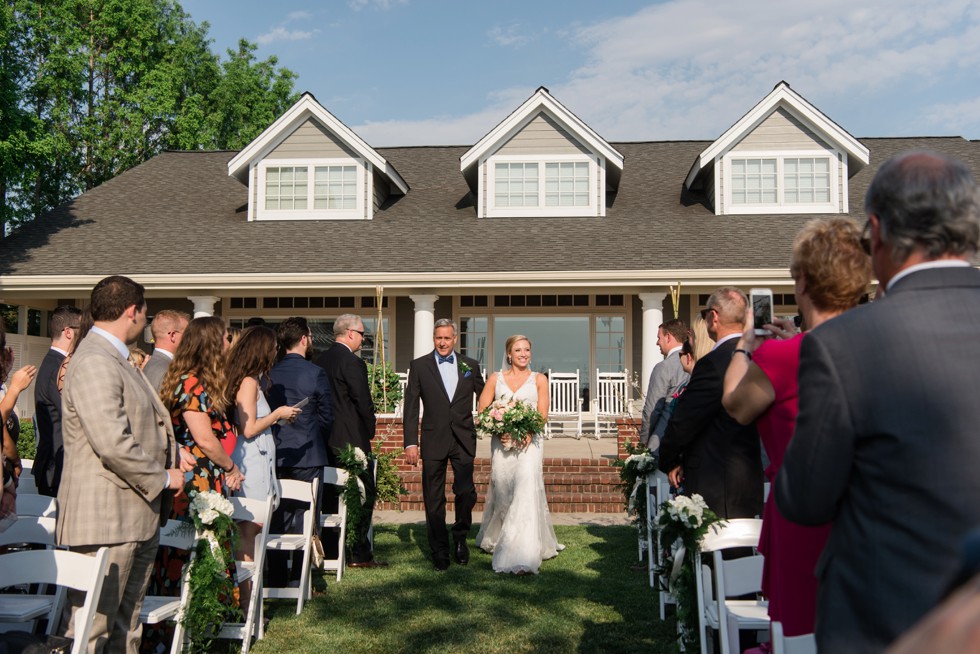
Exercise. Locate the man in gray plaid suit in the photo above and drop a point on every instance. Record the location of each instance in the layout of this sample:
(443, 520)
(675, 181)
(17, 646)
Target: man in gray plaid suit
(120, 462)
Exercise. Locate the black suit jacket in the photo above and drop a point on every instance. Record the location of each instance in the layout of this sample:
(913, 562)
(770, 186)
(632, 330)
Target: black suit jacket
(302, 443)
(722, 459)
(353, 408)
(444, 418)
(886, 446)
(49, 459)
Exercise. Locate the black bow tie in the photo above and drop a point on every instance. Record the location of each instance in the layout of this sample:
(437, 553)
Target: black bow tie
(446, 359)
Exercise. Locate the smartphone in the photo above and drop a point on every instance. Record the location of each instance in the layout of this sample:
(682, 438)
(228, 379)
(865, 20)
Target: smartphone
(761, 300)
(298, 405)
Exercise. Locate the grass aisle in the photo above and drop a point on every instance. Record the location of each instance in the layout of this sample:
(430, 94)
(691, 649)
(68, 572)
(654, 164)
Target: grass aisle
(588, 599)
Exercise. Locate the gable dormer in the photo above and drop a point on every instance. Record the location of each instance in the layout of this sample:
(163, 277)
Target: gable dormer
(310, 166)
(541, 161)
(783, 156)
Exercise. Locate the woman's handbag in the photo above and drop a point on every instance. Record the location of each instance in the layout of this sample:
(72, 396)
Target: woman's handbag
(316, 552)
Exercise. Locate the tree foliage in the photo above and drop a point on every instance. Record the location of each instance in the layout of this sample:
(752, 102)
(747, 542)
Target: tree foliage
(91, 88)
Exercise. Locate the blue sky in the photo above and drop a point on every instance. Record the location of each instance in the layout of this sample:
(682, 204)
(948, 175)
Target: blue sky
(411, 72)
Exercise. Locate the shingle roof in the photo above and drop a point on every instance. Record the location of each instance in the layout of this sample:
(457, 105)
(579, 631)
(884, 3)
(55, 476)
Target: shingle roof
(180, 212)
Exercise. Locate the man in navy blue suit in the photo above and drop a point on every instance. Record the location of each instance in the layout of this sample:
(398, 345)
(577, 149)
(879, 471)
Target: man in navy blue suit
(301, 446)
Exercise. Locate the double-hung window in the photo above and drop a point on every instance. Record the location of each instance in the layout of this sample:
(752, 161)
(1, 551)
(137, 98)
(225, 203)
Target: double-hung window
(546, 186)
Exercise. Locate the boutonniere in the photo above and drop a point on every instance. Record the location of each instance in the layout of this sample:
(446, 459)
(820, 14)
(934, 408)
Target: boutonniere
(465, 368)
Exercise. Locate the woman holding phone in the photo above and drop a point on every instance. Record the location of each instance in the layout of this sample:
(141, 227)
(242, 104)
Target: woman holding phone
(831, 273)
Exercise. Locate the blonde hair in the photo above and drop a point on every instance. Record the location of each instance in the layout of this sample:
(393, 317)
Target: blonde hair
(829, 257)
(699, 335)
(509, 345)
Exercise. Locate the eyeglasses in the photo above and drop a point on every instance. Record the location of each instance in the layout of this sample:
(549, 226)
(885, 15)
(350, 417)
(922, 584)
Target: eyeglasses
(866, 237)
(705, 312)
(356, 331)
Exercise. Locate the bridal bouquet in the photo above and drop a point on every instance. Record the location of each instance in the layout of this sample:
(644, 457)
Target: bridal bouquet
(510, 418)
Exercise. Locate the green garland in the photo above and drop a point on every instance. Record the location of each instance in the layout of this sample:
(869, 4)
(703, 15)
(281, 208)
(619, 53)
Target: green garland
(212, 589)
(684, 519)
(633, 472)
(355, 462)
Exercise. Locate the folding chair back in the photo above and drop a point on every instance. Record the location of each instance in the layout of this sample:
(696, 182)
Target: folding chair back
(301, 491)
(805, 644)
(338, 520)
(26, 484)
(159, 608)
(39, 506)
(29, 530)
(60, 568)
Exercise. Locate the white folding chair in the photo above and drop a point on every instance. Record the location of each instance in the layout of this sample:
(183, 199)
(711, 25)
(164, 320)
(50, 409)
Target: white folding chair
(29, 530)
(338, 520)
(257, 511)
(611, 400)
(402, 384)
(805, 644)
(38, 506)
(730, 578)
(160, 608)
(60, 568)
(26, 484)
(301, 491)
(659, 492)
(564, 401)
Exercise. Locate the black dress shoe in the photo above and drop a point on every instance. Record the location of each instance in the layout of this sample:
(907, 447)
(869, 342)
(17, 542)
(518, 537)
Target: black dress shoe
(461, 553)
(440, 563)
(373, 563)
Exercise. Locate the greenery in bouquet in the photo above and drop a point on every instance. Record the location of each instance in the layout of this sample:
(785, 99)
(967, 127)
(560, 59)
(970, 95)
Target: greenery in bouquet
(682, 522)
(389, 482)
(355, 462)
(212, 587)
(633, 472)
(513, 418)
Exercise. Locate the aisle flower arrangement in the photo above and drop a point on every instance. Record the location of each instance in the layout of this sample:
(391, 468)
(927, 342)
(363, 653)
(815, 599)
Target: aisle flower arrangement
(211, 586)
(683, 521)
(633, 472)
(355, 462)
(513, 418)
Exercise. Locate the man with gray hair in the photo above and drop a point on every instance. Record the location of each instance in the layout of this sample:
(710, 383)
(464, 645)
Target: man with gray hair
(704, 449)
(353, 421)
(886, 443)
(446, 382)
(168, 328)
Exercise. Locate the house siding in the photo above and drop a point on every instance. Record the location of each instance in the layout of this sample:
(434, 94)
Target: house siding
(542, 136)
(311, 140)
(781, 131)
(381, 190)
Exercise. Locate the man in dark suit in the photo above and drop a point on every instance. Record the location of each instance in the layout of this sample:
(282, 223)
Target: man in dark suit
(354, 421)
(63, 326)
(301, 445)
(886, 443)
(446, 382)
(704, 448)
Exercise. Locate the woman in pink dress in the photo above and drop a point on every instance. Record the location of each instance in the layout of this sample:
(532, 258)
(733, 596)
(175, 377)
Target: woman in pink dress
(832, 273)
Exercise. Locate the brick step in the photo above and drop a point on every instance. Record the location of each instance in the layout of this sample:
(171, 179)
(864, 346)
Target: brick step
(570, 503)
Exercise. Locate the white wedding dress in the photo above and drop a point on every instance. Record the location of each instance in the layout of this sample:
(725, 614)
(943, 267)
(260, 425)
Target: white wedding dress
(516, 525)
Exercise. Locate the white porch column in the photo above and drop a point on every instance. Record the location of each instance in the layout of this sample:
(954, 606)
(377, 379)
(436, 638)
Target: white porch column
(653, 317)
(22, 319)
(203, 304)
(425, 320)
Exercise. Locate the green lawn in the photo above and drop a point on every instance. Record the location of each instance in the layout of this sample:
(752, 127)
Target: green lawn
(588, 599)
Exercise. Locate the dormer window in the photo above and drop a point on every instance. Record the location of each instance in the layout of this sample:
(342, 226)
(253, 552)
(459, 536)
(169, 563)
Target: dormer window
(547, 186)
(321, 190)
(757, 183)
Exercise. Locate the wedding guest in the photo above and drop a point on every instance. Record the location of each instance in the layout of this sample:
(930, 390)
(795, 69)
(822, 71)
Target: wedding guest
(120, 459)
(84, 325)
(19, 382)
(667, 376)
(831, 273)
(195, 392)
(700, 337)
(137, 357)
(49, 460)
(250, 359)
(168, 328)
(704, 450)
(886, 436)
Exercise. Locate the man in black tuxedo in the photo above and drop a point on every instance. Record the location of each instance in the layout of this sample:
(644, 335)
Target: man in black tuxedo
(48, 462)
(886, 444)
(446, 382)
(704, 448)
(301, 445)
(354, 421)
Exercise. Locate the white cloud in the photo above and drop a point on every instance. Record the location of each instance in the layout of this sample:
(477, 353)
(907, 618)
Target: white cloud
(282, 34)
(689, 69)
(384, 5)
(508, 36)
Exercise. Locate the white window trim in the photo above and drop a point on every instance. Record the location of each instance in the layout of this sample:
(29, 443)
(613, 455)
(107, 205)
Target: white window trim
(597, 186)
(838, 177)
(365, 190)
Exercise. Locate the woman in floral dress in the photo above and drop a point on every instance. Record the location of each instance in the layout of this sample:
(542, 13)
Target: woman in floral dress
(195, 392)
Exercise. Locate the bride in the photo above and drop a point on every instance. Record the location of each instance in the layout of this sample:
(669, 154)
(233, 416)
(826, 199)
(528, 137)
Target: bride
(516, 525)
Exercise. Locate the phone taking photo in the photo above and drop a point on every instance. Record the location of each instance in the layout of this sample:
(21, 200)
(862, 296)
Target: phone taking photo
(298, 405)
(761, 301)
